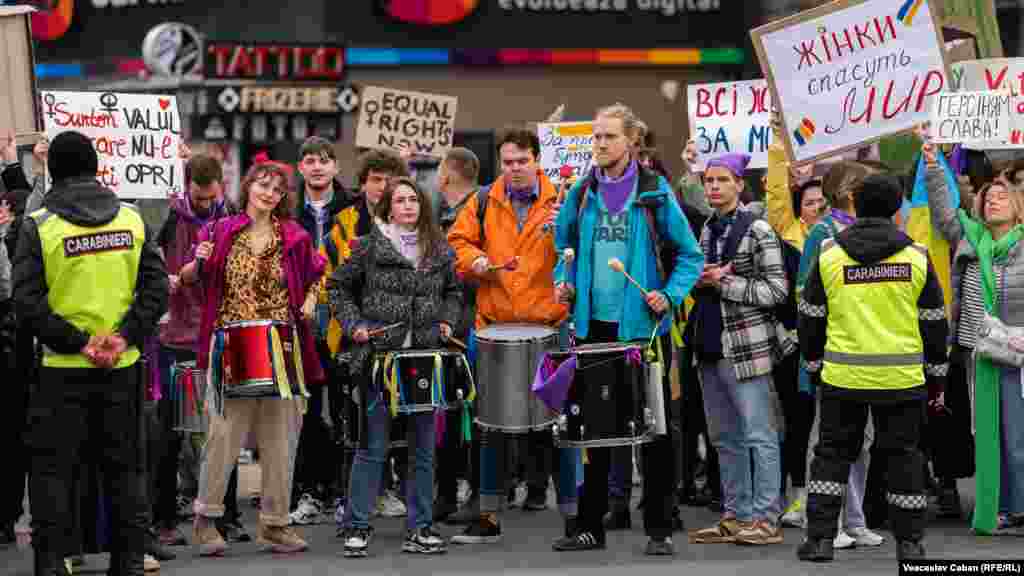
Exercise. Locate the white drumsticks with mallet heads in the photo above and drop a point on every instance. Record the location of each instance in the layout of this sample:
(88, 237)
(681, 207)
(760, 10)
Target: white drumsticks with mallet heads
(616, 264)
(568, 255)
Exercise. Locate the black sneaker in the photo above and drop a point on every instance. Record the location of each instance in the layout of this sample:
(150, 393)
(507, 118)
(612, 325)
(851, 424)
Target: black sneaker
(483, 531)
(909, 550)
(357, 542)
(660, 547)
(469, 513)
(424, 541)
(582, 541)
(815, 550)
(618, 517)
(571, 528)
(233, 532)
(443, 508)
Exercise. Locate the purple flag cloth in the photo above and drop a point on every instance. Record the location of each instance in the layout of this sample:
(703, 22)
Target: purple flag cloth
(440, 427)
(552, 386)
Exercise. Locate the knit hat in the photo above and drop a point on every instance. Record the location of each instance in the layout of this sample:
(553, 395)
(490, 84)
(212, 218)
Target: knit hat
(71, 155)
(879, 196)
(735, 162)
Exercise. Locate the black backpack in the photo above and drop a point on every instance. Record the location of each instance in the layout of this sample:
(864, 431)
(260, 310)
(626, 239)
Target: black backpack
(665, 252)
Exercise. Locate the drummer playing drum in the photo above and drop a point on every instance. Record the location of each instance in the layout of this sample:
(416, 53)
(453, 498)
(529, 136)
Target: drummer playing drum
(261, 274)
(511, 254)
(397, 291)
(612, 223)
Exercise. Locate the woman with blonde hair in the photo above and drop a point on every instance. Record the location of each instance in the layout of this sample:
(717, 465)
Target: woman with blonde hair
(988, 282)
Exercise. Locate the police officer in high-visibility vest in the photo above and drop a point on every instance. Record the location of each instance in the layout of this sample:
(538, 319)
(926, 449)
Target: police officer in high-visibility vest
(873, 329)
(90, 283)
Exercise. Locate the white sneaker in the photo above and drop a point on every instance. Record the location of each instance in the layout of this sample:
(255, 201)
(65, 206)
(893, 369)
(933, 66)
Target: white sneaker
(245, 456)
(463, 493)
(843, 540)
(796, 514)
(389, 506)
(307, 512)
(865, 537)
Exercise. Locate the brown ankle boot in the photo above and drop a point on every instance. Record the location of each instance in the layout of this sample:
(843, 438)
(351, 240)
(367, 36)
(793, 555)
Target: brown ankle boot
(207, 538)
(281, 539)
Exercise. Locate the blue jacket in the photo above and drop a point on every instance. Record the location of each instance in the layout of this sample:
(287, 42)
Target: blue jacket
(576, 230)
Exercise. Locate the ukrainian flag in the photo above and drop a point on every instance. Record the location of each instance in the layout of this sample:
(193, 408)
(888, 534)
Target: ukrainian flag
(918, 222)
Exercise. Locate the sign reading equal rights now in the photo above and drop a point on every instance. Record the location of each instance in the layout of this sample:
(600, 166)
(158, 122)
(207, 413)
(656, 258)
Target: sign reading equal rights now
(136, 137)
(852, 71)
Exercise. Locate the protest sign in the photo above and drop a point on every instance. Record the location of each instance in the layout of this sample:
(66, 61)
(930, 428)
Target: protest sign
(18, 111)
(959, 117)
(852, 71)
(998, 74)
(565, 144)
(135, 135)
(388, 118)
(730, 117)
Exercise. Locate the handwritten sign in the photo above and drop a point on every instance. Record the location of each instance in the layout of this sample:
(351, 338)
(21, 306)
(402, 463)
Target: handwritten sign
(852, 71)
(999, 74)
(565, 144)
(135, 135)
(389, 118)
(730, 117)
(970, 117)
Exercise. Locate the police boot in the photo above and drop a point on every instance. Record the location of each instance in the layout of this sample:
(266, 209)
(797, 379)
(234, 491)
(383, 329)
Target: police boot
(908, 516)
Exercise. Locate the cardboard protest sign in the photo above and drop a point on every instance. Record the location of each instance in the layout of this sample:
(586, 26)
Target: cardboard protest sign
(730, 117)
(849, 72)
(998, 74)
(390, 118)
(135, 135)
(959, 117)
(18, 111)
(565, 144)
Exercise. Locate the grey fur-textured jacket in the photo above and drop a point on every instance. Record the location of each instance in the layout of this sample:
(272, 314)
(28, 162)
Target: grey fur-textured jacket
(1010, 302)
(377, 286)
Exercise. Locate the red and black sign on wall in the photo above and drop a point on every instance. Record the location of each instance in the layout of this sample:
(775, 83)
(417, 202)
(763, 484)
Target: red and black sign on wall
(279, 61)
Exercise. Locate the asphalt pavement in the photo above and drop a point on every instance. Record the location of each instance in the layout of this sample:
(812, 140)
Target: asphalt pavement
(526, 550)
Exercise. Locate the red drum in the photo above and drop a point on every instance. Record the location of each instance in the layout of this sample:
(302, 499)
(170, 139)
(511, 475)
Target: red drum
(258, 359)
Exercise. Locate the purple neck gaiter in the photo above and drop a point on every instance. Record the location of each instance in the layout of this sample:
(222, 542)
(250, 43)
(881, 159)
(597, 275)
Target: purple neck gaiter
(615, 191)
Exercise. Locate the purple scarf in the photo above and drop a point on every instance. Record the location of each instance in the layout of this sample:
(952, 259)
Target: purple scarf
(615, 191)
(842, 217)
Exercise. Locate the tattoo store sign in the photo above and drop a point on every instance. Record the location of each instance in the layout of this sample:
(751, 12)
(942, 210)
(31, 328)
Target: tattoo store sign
(565, 144)
(730, 117)
(264, 61)
(136, 137)
(388, 118)
(850, 72)
(1004, 75)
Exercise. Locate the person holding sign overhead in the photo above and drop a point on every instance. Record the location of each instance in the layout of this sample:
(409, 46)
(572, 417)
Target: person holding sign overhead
(90, 283)
(628, 214)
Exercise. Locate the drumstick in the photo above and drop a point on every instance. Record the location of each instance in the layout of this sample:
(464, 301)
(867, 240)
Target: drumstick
(509, 266)
(383, 329)
(568, 255)
(458, 342)
(616, 264)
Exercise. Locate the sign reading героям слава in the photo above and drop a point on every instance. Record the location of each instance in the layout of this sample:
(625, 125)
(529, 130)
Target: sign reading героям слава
(963, 117)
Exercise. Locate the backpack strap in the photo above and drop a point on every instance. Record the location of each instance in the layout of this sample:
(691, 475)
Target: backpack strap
(482, 198)
(744, 220)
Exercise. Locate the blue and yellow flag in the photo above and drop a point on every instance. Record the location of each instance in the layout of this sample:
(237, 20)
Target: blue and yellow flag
(918, 223)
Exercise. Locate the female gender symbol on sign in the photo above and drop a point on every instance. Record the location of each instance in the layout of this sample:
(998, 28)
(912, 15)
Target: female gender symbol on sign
(109, 101)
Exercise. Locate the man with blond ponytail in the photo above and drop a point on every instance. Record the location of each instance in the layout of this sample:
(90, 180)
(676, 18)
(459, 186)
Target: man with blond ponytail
(629, 213)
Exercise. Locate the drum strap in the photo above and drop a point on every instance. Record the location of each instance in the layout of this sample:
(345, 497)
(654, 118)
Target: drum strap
(214, 372)
(284, 387)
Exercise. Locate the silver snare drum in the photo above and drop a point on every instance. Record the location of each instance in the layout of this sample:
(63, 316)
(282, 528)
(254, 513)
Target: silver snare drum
(507, 356)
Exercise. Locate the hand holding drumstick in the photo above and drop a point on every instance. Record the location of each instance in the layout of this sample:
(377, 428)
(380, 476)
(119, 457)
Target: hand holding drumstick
(655, 299)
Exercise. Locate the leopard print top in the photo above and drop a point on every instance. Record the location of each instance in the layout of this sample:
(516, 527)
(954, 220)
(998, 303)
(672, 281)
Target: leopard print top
(254, 285)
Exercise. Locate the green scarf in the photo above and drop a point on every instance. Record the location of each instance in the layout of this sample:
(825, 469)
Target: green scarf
(986, 379)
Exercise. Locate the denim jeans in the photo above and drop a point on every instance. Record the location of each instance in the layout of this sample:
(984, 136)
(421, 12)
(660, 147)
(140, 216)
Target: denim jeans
(368, 469)
(743, 419)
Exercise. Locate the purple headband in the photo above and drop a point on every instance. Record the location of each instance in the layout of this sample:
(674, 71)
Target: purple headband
(735, 162)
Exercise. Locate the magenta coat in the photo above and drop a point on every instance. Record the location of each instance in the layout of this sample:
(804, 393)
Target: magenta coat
(303, 267)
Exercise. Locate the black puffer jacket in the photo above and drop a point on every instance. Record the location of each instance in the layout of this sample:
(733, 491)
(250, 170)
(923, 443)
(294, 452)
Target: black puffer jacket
(390, 290)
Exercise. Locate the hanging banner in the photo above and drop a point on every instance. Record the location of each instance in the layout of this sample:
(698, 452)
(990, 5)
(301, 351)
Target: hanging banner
(730, 117)
(852, 71)
(135, 135)
(565, 144)
(999, 74)
(394, 118)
